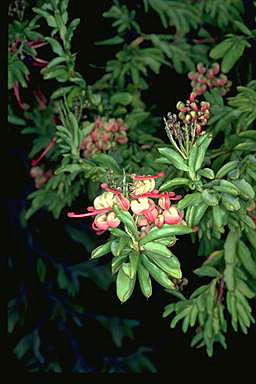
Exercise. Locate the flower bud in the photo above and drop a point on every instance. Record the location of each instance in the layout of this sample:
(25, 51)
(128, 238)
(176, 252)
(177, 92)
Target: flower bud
(180, 105)
(200, 68)
(36, 172)
(192, 96)
(192, 75)
(216, 68)
(201, 79)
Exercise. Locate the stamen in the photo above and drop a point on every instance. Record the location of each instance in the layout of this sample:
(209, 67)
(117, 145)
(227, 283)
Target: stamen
(94, 213)
(134, 177)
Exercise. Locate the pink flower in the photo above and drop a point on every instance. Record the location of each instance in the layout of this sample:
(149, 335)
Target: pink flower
(172, 216)
(141, 205)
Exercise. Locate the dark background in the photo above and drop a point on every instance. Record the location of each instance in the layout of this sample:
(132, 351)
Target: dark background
(171, 350)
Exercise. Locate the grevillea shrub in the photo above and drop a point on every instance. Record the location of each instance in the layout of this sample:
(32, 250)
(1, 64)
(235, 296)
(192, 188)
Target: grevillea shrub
(153, 177)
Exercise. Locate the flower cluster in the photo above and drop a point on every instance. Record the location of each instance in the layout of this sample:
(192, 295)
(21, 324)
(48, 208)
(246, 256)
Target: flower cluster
(104, 137)
(40, 176)
(204, 78)
(190, 121)
(148, 206)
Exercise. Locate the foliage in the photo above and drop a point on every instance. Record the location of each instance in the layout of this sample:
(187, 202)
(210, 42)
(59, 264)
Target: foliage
(87, 137)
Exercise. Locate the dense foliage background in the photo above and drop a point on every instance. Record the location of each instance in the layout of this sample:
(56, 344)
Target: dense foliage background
(105, 340)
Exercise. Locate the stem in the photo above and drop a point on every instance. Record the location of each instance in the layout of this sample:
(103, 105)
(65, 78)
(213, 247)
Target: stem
(221, 290)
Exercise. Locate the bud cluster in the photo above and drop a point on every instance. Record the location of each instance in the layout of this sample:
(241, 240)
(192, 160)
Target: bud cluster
(189, 123)
(211, 78)
(104, 137)
(148, 206)
(40, 176)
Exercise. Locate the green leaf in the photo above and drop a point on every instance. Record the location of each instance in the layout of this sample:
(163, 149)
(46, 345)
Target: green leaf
(112, 41)
(192, 199)
(207, 270)
(226, 168)
(53, 62)
(101, 250)
(123, 98)
(56, 47)
(175, 159)
(144, 281)
(233, 55)
(168, 230)
(230, 246)
(124, 286)
(210, 198)
(177, 181)
(220, 49)
(127, 219)
(246, 259)
(201, 150)
(246, 190)
(157, 248)
(231, 203)
(207, 173)
(41, 269)
(169, 265)
(243, 28)
(71, 28)
(157, 273)
(107, 161)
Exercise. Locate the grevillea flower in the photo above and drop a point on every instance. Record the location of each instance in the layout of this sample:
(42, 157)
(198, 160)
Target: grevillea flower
(172, 216)
(141, 205)
(145, 211)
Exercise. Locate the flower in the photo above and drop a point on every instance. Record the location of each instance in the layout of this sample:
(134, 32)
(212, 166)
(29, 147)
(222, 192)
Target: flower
(172, 216)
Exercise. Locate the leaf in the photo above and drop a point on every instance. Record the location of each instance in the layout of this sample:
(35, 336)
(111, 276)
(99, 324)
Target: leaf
(61, 278)
(226, 168)
(157, 249)
(101, 250)
(157, 273)
(53, 62)
(246, 258)
(127, 219)
(192, 199)
(107, 161)
(243, 28)
(112, 41)
(220, 49)
(144, 281)
(124, 286)
(56, 47)
(169, 265)
(246, 190)
(71, 28)
(207, 173)
(41, 269)
(81, 236)
(168, 230)
(230, 246)
(233, 55)
(207, 138)
(207, 270)
(210, 198)
(175, 159)
(123, 98)
(177, 181)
